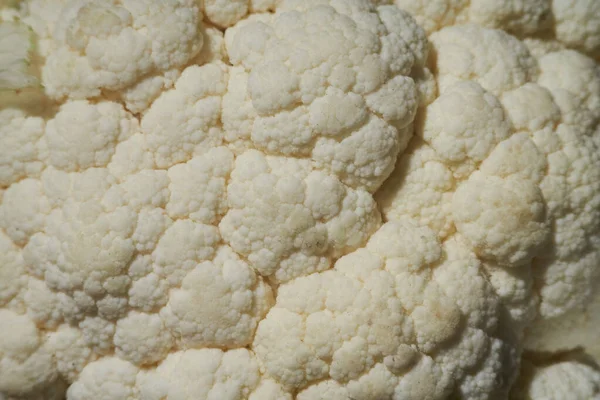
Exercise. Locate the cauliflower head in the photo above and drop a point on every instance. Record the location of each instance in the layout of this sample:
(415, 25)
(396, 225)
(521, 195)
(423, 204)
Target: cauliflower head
(299, 199)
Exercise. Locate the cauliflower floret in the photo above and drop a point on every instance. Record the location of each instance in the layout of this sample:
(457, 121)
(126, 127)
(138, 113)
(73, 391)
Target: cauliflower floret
(183, 246)
(577, 24)
(42, 16)
(544, 161)
(380, 322)
(514, 287)
(42, 304)
(71, 351)
(457, 134)
(225, 13)
(324, 100)
(503, 220)
(574, 82)
(463, 125)
(109, 46)
(268, 389)
(567, 332)
(26, 366)
(564, 378)
(109, 378)
(141, 95)
(541, 46)
(174, 198)
(290, 220)
(16, 42)
(142, 338)
(515, 16)
(19, 157)
(219, 304)
(12, 272)
(184, 121)
(492, 58)
(544, 23)
(198, 187)
(571, 188)
(433, 15)
(85, 249)
(84, 135)
(421, 187)
(519, 17)
(24, 210)
(201, 375)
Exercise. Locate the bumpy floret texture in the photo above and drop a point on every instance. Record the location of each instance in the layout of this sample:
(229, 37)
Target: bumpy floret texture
(109, 45)
(15, 56)
(290, 220)
(507, 158)
(565, 23)
(392, 320)
(568, 376)
(342, 103)
(130, 50)
(300, 199)
(225, 13)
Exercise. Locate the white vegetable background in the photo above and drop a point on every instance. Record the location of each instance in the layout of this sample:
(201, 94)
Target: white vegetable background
(299, 199)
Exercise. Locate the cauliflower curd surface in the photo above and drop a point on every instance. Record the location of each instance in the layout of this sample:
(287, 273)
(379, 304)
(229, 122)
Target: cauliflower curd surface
(299, 199)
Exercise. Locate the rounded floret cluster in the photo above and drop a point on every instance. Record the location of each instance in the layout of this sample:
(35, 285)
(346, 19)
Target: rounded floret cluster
(299, 199)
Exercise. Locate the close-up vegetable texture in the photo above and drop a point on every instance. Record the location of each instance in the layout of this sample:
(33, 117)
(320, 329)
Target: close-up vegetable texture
(299, 199)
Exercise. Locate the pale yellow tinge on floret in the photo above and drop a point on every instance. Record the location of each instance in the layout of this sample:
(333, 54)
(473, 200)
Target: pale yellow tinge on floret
(16, 45)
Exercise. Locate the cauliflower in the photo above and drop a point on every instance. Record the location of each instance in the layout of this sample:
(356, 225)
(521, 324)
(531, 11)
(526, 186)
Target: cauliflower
(299, 199)
(390, 321)
(127, 50)
(15, 52)
(524, 190)
(569, 23)
(568, 376)
(324, 100)
(312, 216)
(110, 45)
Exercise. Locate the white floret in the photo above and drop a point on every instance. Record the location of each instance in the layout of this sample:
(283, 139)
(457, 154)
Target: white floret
(567, 378)
(70, 350)
(109, 378)
(463, 125)
(269, 389)
(420, 187)
(504, 220)
(577, 24)
(26, 366)
(184, 245)
(290, 220)
(24, 210)
(204, 374)
(519, 17)
(16, 44)
(323, 100)
(219, 304)
(142, 338)
(497, 61)
(19, 157)
(12, 271)
(84, 135)
(198, 187)
(389, 318)
(102, 46)
(185, 121)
